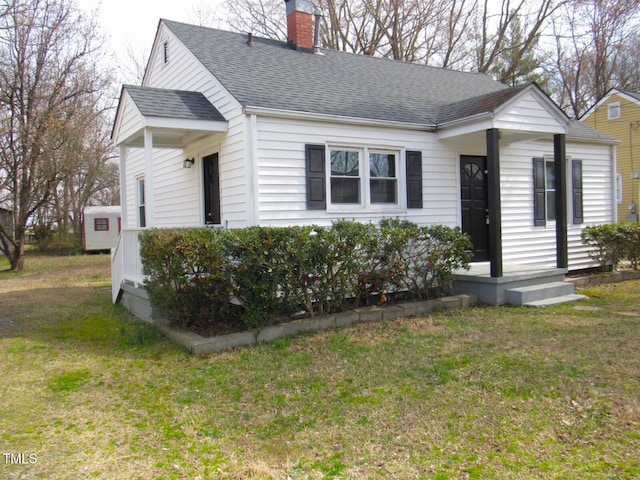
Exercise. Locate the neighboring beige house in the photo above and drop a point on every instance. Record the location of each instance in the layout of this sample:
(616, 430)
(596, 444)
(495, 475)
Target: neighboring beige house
(618, 115)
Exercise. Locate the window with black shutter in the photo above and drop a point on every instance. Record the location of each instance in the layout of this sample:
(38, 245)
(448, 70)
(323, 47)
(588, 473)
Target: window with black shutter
(539, 196)
(316, 182)
(414, 179)
(346, 177)
(576, 180)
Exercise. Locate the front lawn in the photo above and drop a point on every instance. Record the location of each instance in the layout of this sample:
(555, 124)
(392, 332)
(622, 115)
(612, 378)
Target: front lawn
(492, 392)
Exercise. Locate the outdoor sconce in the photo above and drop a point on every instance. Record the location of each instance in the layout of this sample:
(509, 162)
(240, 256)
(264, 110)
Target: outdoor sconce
(188, 162)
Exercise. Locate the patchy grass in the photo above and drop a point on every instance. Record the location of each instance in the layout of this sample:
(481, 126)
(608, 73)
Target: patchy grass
(473, 393)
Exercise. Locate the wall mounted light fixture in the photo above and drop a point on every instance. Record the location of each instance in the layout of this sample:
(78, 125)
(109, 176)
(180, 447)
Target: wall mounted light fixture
(188, 162)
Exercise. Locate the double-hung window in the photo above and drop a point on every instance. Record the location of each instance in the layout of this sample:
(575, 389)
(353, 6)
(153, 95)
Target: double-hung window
(142, 217)
(613, 111)
(383, 182)
(550, 189)
(545, 190)
(363, 177)
(347, 178)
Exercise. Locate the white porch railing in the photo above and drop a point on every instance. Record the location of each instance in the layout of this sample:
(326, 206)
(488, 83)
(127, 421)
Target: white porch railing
(126, 266)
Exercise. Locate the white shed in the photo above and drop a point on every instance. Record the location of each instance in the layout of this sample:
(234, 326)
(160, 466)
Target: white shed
(100, 228)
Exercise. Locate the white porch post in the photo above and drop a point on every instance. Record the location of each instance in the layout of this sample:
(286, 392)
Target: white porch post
(123, 186)
(148, 179)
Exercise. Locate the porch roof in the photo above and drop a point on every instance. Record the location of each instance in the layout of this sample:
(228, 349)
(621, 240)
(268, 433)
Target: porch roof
(175, 117)
(521, 113)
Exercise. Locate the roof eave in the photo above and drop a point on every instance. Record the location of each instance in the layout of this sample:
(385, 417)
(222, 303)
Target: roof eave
(323, 117)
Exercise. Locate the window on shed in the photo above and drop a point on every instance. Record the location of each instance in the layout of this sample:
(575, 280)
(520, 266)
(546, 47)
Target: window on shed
(101, 224)
(614, 111)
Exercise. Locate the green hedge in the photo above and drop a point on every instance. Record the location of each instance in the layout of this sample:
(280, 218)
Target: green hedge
(197, 277)
(612, 243)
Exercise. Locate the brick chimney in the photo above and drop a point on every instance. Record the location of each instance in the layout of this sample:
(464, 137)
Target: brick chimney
(300, 24)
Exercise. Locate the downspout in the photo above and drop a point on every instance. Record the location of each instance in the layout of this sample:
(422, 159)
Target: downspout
(614, 166)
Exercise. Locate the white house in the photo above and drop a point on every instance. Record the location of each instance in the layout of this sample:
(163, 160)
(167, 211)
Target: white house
(100, 228)
(232, 130)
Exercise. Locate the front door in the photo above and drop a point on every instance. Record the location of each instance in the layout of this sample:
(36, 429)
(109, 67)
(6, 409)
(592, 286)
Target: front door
(475, 208)
(211, 190)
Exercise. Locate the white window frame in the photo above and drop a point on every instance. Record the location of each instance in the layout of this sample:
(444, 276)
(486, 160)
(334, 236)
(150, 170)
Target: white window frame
(547, 191)
(364, 177)
(613, 111)
(141, 202)
(619, 186)
(548, 159)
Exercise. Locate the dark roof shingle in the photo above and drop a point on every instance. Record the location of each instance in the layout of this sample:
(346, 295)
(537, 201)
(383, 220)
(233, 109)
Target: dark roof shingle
(270, 74)
(157, 102)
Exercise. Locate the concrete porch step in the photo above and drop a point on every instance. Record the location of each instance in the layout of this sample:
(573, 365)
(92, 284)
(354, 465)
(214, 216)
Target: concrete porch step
(548, 302)
(539, 292)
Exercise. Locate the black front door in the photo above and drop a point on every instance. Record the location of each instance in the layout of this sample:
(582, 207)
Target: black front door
(475, 211)
(211, 190)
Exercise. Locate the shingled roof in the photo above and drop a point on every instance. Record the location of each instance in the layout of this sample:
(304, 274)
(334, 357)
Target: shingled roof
(157, 102)
(270, 74)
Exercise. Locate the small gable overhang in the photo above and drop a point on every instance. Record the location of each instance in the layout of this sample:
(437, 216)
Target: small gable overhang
(522, 113)
(175, 118)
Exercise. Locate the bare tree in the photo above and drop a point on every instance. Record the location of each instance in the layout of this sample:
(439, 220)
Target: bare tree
(513, 33)
(89, 171)
(627, 73)
(592, 51)
(264, 17)
(46, 52)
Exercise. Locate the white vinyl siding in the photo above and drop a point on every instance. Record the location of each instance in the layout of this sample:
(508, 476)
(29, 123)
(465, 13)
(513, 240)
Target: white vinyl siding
(523, 243)
(281, 171)
(528, 114)
(128, 119)
(178, 192)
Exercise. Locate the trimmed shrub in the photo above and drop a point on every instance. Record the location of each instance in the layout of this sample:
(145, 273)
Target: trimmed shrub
(426, 257)
(258, 256)
(194, 276)
(187, 275)
(631, 243)
(612, 243)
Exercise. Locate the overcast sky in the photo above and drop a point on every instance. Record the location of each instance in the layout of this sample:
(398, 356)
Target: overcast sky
(133, 23)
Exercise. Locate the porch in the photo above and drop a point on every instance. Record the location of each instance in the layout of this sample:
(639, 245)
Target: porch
(529, 285)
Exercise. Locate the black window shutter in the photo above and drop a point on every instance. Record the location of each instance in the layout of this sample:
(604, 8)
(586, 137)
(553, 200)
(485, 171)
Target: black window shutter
(576, 176)
(539, 200)
(414, 179)
(316, 181)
